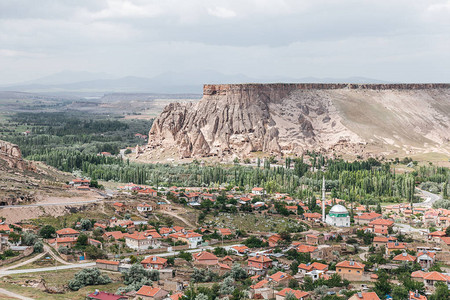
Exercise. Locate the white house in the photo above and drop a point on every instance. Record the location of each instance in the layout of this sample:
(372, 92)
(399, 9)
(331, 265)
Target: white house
(258, 191)
(144, 208)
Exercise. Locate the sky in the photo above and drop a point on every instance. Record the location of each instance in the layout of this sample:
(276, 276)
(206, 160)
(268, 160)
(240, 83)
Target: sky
(395, 40)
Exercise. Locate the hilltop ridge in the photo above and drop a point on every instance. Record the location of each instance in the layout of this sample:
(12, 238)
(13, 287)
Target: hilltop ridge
(290, 119)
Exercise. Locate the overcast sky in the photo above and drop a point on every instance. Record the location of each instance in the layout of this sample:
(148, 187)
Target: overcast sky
(393, 40)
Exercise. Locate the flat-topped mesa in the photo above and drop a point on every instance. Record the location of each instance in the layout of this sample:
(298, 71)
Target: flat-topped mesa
(292, 118)
(222, 89)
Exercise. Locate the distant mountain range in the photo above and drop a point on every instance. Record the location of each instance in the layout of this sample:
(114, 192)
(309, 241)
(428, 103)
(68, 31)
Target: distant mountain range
(170, 82)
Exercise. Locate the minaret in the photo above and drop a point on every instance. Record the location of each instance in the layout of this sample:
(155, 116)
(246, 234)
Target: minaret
(323, 200)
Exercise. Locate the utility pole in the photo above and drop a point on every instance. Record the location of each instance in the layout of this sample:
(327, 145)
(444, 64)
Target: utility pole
(323, 199)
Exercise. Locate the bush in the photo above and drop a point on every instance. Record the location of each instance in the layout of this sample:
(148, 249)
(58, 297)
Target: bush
(90, 276)
(64, 250)
(136, 277)
(38, 247)
(47, 232)
(29, 238)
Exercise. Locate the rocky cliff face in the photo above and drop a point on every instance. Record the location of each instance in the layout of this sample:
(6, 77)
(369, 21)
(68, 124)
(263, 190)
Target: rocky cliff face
(239, 119)
(12, 155)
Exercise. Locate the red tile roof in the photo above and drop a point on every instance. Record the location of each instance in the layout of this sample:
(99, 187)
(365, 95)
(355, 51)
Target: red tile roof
(404, 257)
(148, 291)
(350, 264)
(278, 276)
(65, 231)
(204, 256)
(382, 222)
(154, 260)
(260, 259)
(366, 296)
(297, 293)
(107, 262)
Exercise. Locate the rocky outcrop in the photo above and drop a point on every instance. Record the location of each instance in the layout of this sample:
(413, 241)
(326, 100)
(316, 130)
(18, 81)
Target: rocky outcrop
(238, 119)
(12, 155)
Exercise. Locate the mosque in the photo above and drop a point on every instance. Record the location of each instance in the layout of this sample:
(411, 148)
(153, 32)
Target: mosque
(338, 216)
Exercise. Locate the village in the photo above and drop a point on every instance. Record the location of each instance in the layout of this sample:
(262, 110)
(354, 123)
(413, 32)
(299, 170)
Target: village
(330, 249)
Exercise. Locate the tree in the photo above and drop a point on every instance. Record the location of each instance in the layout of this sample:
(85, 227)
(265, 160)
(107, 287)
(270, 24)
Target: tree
(293, 284)
(86, 224)
(294, 268)
(201, 297)
(38, 247)
(89, 276)
(47, 232)
(187, 256)
(29, 238)
(238, 273)
(382, 285)
(447, 231)
(137, 276)
(82, 240)
(399, 292)
(227, 286)
(441, 292)
(378, 210)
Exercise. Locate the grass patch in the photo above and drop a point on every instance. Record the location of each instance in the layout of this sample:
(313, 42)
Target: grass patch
(59, 279)
(252, 222)
(70, 219)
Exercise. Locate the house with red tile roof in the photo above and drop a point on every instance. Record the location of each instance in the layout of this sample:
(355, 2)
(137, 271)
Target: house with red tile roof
(98, 295)
(240, 250)
(113, 235)
(393, 246)
(258, 191)
(148, 191)
(306, 249)
(259, 262)
(176, 296)
(5, 228)
(280, 278)
(366, 218)
(68, 242)
(140, 241)
(154, 262)
(120, 207)
(313, 239)
(305, 268)
(380, 226)
(431, 278)
(110, 265)
(426, 259)
(312, 216)
(274, 239)
(350, 270)
(381, 241)
(224, 231)
(416, 296)
(365, 296)
(404, 257)
(67, 232)
(151, 293)
(436, 235)
(300, 295)
(205, 258)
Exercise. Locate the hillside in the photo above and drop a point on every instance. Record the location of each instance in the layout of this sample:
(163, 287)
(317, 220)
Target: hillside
(347, 119)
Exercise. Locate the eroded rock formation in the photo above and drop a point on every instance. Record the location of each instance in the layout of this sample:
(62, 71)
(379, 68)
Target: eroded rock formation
(237, 119)
(12, 155)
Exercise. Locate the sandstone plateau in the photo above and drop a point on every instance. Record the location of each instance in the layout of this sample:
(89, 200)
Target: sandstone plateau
(289, 119)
